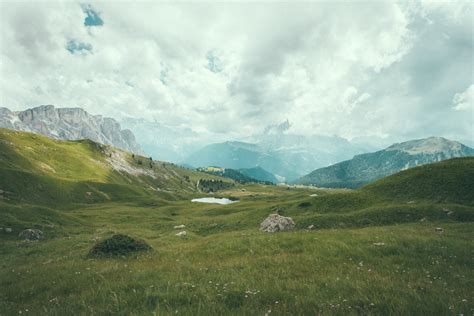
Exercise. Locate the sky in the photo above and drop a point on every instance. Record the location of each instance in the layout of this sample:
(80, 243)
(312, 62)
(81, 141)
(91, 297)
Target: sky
(227, 70)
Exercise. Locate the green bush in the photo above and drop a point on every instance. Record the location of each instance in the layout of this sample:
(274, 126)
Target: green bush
(118, 245)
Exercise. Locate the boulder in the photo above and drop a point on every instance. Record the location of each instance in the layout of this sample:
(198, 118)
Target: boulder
(179, 227)
(181, 234)
(31, 234)
(275, 223)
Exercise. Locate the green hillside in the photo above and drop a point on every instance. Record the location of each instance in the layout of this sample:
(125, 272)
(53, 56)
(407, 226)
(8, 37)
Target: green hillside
(260, 174)
(37, 169)
(369, 167)
(245, 175)
(447, 181)
(228, 173)
(400, 246)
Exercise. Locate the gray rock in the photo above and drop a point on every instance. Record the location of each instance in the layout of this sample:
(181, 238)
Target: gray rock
(8, 230)
(310, 226)
(179, 227)
(275, 223)
(31, 234)
(439, 230)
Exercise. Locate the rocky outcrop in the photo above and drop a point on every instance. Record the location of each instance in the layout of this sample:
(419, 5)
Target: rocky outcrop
(275, 223)
(31, 234)
(70, 124)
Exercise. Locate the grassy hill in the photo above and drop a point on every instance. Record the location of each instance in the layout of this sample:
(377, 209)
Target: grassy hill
(369, 167)
(443, 190)
(40, 170)
(260, 174)
(447, 181)
(228, 173)
(373, 251)
(246, 175)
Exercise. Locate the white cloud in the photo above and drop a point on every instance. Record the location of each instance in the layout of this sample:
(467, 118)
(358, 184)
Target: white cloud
(315, 64)
(464, 101)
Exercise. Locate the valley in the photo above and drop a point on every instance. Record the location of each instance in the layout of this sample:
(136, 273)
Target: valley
(260, 158)
(400, 245)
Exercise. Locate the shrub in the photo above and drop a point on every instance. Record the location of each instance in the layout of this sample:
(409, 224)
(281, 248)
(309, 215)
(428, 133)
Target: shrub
(118, 245)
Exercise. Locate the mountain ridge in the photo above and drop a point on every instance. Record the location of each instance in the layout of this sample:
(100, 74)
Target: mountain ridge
(70, 124)
(364, 168)
(286, 156)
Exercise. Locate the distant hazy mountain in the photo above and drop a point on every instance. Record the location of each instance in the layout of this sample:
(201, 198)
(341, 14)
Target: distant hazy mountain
(163, 142)
(287, 156)
(259, 174)
(284, 155)
(70, 124)
(368, 167)
(235, 155)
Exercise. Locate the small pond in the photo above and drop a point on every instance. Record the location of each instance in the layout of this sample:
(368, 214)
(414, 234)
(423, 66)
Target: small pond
(214, 200)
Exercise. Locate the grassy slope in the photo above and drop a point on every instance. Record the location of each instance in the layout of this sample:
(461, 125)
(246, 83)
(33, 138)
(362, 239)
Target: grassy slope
(39, 170)
(446, 181)
(226, 266)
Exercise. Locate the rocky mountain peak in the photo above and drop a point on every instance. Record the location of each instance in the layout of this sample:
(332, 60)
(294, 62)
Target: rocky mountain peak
(70, 124)
(430, 145)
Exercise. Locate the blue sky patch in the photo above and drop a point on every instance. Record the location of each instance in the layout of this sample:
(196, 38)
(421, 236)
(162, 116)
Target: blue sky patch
(75, 47)
(92, 17)
(214, 64)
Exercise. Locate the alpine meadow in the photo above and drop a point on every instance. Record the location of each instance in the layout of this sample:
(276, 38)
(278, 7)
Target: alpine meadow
(236, 158)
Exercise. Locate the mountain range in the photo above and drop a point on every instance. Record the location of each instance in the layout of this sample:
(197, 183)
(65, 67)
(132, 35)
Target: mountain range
(286, 156)
(366, 168)
(272, 156)
(70, 124)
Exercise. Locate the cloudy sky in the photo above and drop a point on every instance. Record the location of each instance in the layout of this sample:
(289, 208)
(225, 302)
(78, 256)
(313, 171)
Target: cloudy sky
(396, 70)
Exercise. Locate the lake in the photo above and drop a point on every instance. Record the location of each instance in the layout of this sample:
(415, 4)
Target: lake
(213, 200)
